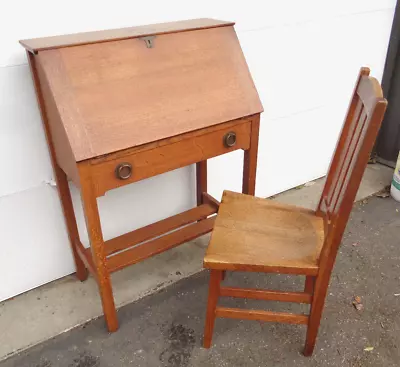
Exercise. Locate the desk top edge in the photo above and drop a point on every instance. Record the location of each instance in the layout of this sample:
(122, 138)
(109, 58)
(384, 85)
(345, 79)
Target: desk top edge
(35, 45)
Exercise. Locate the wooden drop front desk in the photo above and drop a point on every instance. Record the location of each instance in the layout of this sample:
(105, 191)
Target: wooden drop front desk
(123, 105)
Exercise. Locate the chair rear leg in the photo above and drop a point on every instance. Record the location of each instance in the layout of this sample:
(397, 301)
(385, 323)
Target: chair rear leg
(223, 274)
(213, 294)
(309, 284)
(317, 307)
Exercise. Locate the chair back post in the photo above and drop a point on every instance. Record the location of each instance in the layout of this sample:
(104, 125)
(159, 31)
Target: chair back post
(364, 71)
(355, 144)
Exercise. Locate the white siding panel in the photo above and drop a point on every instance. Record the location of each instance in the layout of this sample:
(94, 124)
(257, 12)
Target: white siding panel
(296, 149)
(47, 18)
(25, 161)
(288, 65)
(33, 241)
(305, 75)
(304, 57)
(225, 173)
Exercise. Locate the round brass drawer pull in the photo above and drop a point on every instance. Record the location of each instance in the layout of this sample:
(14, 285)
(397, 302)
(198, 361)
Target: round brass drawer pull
(123, 171)
(230, 139)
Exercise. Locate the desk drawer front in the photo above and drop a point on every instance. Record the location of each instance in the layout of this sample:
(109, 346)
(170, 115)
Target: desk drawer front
(147, 163)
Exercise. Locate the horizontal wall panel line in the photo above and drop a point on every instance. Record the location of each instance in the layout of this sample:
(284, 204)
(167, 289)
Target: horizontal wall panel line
(322, 19)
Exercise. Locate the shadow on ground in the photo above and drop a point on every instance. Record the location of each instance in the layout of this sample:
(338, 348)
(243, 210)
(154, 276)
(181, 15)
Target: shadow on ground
(165, 329)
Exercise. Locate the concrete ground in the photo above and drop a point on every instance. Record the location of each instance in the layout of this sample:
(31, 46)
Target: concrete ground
(165, 329)
(52, 309)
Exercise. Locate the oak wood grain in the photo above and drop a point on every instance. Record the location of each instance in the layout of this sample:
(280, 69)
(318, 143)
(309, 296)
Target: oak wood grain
(165, 158)
(208, 199)
(61, 146)
(171, 140)
(250, 160)
(109, 99)
(265, 295)
(35, 45)
(309, 285)
(60, 175)
(201, 181)
(117, 95)
(86, 257)
(213, 294)
(95, 235)
(260, 315)
(157, 229)
(253, 234)
(351, 157)
(154, 247)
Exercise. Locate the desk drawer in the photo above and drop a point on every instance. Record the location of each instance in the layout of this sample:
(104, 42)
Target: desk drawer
(144, 163)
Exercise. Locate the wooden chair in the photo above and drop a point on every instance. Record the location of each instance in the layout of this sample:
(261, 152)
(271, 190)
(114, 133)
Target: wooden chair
(259, 235)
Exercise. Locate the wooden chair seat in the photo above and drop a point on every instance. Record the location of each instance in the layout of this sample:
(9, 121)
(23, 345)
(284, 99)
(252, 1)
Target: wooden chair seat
(253, 234)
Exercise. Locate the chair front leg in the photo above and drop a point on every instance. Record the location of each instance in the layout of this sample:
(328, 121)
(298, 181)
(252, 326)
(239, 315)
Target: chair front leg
(213, 294)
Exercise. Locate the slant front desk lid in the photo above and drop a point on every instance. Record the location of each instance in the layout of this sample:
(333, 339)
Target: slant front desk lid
(112, 90)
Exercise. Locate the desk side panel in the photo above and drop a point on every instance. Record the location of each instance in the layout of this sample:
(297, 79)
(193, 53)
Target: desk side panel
(52, 122)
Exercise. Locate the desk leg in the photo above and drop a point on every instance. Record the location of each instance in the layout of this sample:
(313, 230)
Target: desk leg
(99, 257)
(250, 160)
(70, 219)
(201, 180)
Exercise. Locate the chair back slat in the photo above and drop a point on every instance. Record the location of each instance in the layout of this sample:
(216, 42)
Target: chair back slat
(350, 156)
(344, 155)
(353, 110)
(349, 161)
